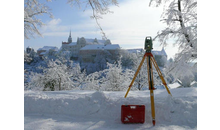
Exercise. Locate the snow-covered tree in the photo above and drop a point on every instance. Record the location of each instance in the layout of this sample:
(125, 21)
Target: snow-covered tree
(93, 81)
(181, 19)
(25, 76)
(101, 59)
(54, 78)
(32, 9)
(128, 59)
(180, 16)
(99, 8)
(185, 74)
(161, 60)
(27, 58)
(79, 77)
(141, 81)
(116, 79)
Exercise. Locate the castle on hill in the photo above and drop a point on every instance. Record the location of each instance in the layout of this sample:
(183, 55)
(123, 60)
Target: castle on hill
(86, 49)
(84, 46)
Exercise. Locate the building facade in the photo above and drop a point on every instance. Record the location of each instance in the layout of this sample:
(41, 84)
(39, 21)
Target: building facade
(29, 50)
(74, 47)
(160, 56)
(88, 53)
(46, 49)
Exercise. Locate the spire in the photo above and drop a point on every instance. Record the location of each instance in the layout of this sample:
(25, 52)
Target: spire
(70, 34)
(70, 38)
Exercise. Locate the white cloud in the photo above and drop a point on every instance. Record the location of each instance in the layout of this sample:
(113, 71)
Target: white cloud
(53, 28)
(54, 22)
(131, 22)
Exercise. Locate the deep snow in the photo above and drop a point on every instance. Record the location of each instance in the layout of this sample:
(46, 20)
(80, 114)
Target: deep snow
(77, 109)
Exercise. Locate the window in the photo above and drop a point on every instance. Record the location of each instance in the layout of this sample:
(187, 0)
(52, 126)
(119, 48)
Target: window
(93, 55)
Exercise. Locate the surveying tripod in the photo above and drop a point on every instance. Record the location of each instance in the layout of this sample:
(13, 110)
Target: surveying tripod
(150, 59)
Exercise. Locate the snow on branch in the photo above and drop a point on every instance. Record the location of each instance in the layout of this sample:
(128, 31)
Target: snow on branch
(99, 8)
(32, 8)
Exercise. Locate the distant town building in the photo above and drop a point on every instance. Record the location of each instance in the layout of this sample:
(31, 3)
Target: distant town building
(155, 53)
(74, 47)
(161, 53)
(46, 49)
(160, 56)
(89, 52)
(136, 51)
(29, 50)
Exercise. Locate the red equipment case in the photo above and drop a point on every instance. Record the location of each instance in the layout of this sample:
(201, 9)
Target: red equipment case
(132, 113)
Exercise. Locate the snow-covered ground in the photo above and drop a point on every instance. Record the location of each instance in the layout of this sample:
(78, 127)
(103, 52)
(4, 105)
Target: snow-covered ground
(93, 110)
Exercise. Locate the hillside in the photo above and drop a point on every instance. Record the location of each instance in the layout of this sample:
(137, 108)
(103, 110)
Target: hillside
(92, 110)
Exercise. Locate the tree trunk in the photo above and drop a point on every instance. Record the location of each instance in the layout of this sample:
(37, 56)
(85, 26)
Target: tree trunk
(182, 24)
(59, 83)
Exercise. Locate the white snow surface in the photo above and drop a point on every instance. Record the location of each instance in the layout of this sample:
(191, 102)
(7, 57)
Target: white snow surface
(96, 110)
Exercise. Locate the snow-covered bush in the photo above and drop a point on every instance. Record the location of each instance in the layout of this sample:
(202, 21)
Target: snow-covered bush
(92, 81)
(27, 58)
(184, 73)
(78, 77)
(186, 80)
(128, 60)
(116, 79)
(100, 60)
(56, 77)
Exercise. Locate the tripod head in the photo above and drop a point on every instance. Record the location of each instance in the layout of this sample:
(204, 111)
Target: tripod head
(148, 44)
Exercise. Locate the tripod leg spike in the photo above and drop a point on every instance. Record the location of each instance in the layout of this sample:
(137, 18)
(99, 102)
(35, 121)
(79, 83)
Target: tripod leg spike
(154, 122)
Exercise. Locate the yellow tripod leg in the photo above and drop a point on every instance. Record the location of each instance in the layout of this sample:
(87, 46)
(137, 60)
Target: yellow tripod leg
(151, 84)
(160, 74)
(152, 106)
(139, 67)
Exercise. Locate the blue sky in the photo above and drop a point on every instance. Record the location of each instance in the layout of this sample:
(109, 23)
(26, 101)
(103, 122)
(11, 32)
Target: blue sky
(128, 26)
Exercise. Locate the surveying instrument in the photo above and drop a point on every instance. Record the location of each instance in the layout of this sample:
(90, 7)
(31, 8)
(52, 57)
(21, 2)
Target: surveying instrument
(150, 59)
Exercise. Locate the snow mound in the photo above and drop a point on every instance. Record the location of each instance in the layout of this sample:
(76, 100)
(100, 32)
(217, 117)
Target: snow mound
(96, 104)
(178, 111)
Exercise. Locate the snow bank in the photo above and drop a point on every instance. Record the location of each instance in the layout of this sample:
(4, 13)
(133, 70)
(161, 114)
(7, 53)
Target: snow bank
(86, 104)
(179, 110)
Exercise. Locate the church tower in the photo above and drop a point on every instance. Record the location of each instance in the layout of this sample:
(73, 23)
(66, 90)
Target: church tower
(70, 38)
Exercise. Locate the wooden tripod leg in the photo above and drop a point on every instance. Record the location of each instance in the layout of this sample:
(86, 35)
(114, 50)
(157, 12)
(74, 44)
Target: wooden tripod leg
(139, 67)
(160, 74)
(152, 106)
(151, 87)
(150, 73)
